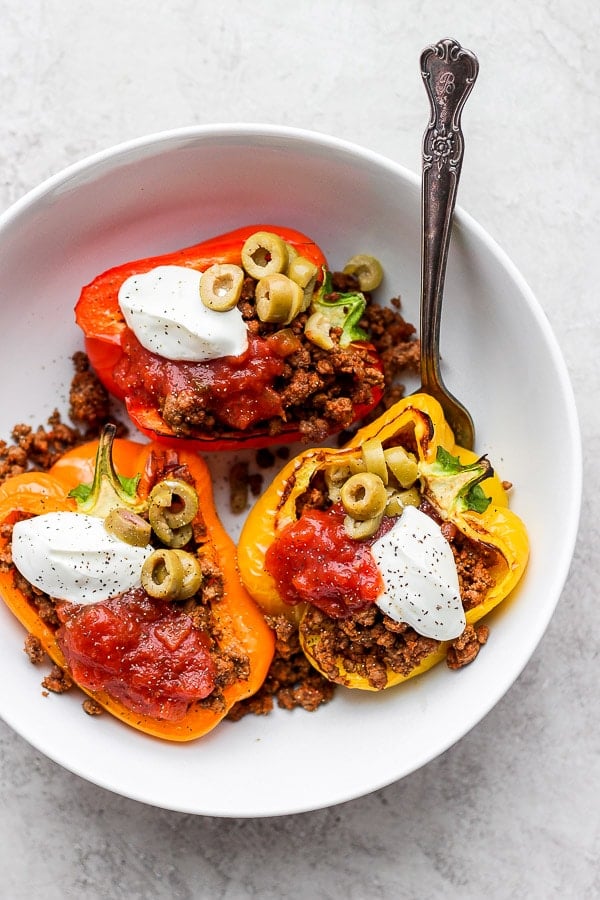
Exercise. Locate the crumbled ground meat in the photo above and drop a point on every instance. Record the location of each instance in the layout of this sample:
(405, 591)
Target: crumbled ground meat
(36, 449)
(466, 647)
(367, 644)
(239, 483)
(34, 650)
(243, 482)
(44, 604)
(231, 662)
(291, 682)
(88, 399)
(319, 389)
(58, 681)
(212, 580)
(265, 458)
(5, 549)
(255, 483)
(394, 339)
(316, 496)
(473, 564)
(40, 448)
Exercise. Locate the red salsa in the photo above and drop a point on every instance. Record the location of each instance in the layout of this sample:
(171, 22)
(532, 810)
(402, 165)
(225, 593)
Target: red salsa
(238, 390)
(145, 653)
(313, 560)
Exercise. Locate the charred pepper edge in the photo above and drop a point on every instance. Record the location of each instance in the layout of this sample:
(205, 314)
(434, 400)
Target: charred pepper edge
(497, 527)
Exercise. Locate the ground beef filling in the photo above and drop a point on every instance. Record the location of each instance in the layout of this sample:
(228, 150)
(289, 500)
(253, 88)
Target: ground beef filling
(367, 644)
(370, 644)
(38, 450)
(291, 681)
(296, 383)
(227, 666)
(319, 389)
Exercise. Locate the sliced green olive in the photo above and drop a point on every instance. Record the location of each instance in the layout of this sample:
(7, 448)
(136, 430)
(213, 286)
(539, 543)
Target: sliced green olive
(177, 500)
(335, 476)
(374, 458)
(367, 269)
(399, 500)
(172, 506)
(291, 252)
(172, 537)
(364, 496)
(278, 299)
(264, 253)
(162, 575)
(128, 527)
(403, 465)
(317, 330)
(304, 273)
(360, 530)
(221, 286)
(192, 574)
(357, 464)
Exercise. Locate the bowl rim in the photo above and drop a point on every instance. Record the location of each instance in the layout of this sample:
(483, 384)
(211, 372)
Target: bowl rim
(190, 132)
(160, 140)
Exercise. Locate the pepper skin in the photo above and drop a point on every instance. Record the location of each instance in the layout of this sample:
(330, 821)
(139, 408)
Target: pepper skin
(240, 623)
(98, 314)
(420, 415)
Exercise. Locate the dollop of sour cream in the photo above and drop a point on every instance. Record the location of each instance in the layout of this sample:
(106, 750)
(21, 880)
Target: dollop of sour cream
(419, 573)
(71, 556)
(164, 310)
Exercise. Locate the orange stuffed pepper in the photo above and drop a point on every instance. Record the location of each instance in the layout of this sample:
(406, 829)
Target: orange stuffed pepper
(130, 584)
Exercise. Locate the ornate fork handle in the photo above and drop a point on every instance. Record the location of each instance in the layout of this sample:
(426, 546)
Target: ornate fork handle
(449, 72)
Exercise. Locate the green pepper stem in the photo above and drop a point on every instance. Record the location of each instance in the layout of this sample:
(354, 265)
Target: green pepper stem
(452, 486)
(108, 490)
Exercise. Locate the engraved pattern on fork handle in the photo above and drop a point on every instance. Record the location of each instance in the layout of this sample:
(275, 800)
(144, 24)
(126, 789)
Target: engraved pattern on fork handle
(449, 72)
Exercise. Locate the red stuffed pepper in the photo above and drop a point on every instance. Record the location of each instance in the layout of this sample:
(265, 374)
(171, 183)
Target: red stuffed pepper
(268, 352)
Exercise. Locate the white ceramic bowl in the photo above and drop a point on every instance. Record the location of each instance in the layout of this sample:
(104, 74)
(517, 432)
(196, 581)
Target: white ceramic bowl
(500, 357)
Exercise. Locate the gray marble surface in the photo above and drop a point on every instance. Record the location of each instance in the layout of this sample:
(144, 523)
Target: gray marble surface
(511, 811)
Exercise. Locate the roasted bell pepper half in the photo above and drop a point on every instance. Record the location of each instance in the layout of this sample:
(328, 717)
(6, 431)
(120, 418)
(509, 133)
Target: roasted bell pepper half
(248, 393)
(85, 479)
(460, 491)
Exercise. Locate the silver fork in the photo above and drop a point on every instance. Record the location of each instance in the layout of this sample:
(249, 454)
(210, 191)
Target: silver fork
(449, 72)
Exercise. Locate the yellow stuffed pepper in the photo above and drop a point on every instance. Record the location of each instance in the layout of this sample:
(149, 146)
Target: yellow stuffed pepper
(386, 553)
